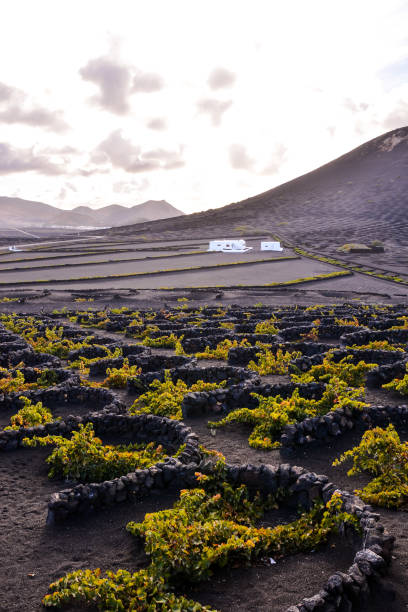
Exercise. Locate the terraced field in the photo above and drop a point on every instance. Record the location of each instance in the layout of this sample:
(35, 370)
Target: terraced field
(270, 523)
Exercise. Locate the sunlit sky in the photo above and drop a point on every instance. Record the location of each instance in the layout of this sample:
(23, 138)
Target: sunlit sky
(200, 103)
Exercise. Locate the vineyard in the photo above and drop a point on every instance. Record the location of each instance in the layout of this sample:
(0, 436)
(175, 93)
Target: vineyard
(204, 458)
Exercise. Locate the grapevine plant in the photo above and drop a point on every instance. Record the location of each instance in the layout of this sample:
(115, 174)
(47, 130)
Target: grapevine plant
(271, 363)
(30, 415)
(165, 398)
(84, 457)
(208, 527)
(221, 350)
(353, 375)
(382, 455)
(274, 413)
(399, 384)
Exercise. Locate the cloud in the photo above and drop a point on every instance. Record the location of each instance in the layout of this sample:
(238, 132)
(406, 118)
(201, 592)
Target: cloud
(220, 78)
(15, 108)
(157, 123)
(239, 158)
(117, 82)
(129, 187)
(214, 108)
(276, 160)
(6, 92)
(122, 153)
(113, 80)
(355, 107)
(398, 117)
(147, 82)
(14, 160)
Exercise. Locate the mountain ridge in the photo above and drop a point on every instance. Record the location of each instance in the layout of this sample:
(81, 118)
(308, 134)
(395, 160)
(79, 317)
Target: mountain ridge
(361, 194)
(18, 212)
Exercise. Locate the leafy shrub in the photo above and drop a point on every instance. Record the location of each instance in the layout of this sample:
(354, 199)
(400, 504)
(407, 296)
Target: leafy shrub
(269, 363)
(83, 362)
(382, 454)
(221, 350)
(117, 377)
(353, 375)
(30, 415)
(13, 381)
(204, 531)
(351, 322)
(273, 413)
(163, 341)
(266, 327)
(399, 384)
(208, 527)
(142, 591)
(165, 398)
(376, 345)
(85, 458)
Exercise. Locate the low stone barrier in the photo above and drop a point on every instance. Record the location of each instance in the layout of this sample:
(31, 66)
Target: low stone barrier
(176, 471)
(319, 430)
(191, 375)
(238, 396)
(68, 392)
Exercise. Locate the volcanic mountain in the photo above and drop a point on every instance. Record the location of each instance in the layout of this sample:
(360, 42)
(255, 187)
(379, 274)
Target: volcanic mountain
(17, 213)
(358, 197)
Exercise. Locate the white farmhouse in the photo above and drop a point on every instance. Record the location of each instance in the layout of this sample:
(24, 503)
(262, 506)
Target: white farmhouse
(271, 246)
(228, 246)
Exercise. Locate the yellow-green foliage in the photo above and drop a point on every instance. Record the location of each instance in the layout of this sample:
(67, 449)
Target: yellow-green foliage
(399, 384)
(208, 527)
(269, 363)
(382, 454)
(163, 341)
(212, 528)
(353, 375)
(30, 415)
(266, 327)
(165, 398)
(221, 350)
(85, 458)
(82, 362)
(273, 413)
(351, 322)
(50, 341)
(13, 381)
(312, 334)
(227, 325)
(377, 345)
(118, 592)
(117, 377)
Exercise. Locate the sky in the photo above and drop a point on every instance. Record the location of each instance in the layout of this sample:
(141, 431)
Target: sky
(200, 103)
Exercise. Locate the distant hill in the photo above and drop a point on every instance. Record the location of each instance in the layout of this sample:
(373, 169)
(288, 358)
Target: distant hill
(361, 196)
(16, 212)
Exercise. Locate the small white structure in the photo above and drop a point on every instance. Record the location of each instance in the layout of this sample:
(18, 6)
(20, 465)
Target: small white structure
(14, 249)
(229, 246)
(271, 246)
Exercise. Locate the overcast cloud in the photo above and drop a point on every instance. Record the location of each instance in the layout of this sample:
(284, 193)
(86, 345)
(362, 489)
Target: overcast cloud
(220, 78)
(134, 102)
(15, 107)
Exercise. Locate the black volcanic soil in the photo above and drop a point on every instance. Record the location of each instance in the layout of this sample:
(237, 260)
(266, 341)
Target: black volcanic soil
(33, 555)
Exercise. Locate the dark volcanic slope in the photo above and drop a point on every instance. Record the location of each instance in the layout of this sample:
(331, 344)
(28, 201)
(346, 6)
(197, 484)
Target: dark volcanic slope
(362, 196)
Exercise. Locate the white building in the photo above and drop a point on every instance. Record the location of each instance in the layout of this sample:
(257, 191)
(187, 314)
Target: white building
(228, 246)
(271, 246)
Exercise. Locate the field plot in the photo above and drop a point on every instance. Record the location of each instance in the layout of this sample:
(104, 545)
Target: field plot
(217, 270)
(86, 259)
(189, 453)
